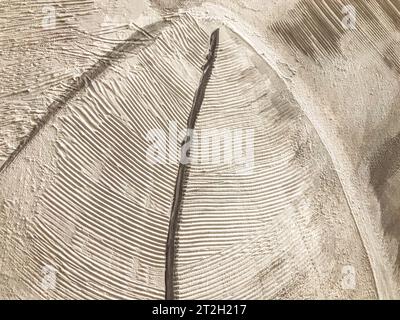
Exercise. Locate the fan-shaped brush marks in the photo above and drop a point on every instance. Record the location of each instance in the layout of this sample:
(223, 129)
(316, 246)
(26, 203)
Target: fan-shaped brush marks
(83, 199)
(254, 234)
(93, 206)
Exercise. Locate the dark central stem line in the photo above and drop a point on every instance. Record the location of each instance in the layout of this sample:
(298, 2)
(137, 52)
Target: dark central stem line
(183, 167)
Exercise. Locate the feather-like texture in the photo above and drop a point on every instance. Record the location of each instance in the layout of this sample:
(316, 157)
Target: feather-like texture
(305, 189)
